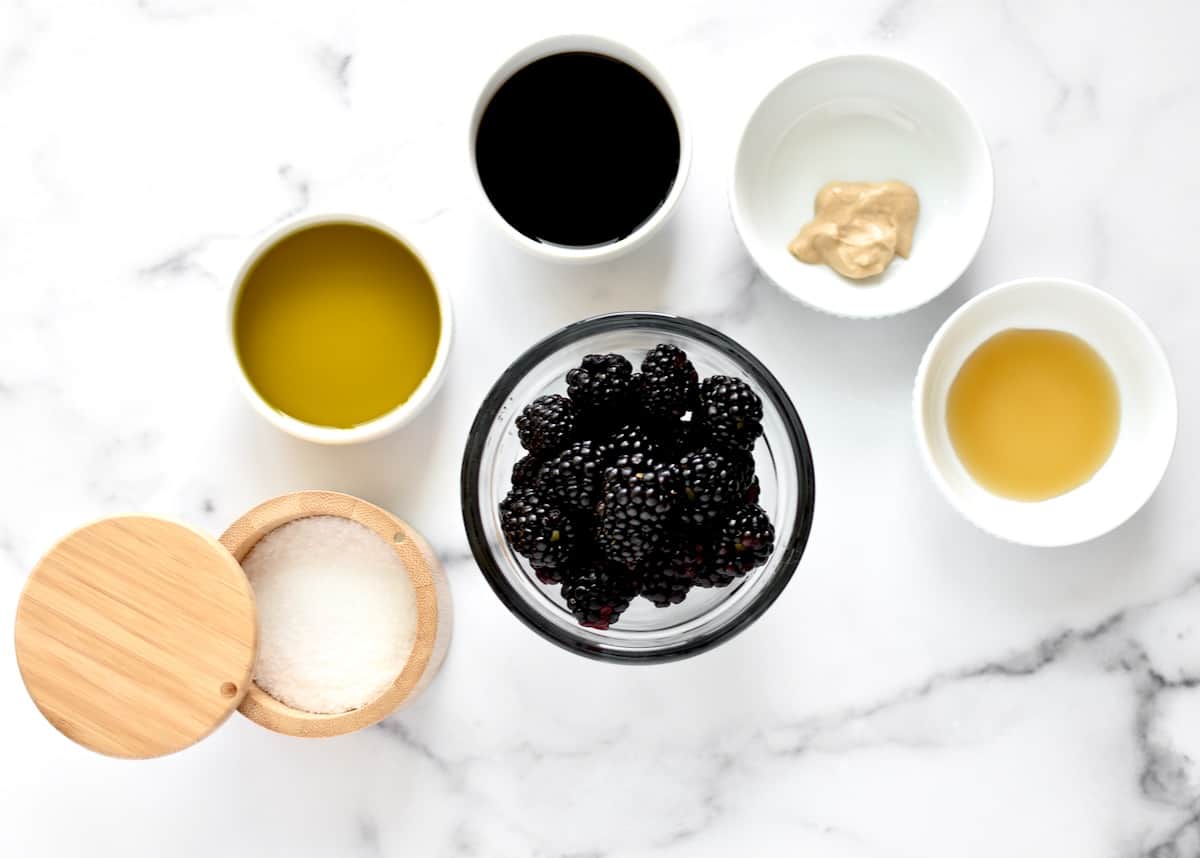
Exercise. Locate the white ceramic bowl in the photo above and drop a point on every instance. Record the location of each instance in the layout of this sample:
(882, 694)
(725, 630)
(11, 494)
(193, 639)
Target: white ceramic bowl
(1149, 411)
(618, 51)
(862, 118)
(383, 424)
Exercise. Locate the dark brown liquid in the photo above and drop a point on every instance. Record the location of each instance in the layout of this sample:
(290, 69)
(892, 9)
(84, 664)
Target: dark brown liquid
(577, 149)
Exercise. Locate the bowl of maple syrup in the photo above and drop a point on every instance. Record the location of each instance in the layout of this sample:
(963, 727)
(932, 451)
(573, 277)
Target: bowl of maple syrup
(1045, 411)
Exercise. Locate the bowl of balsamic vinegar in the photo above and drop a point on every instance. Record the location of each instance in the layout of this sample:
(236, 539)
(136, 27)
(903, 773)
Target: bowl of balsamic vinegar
(579, 148)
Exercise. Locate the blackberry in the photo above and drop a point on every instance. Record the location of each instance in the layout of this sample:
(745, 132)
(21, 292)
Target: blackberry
(689, 555)
(635, 390)
(688, 558)
(600, 383)
(666, 579)
(669, 383)
(525, 471)
(597, 593)
(731, 411)
(541, 532)
(714, 576)
(640, 496)
(640, 467)
(585, 554)
(658, 585)
(673, 438)
(547, 424)
(742, 464)
(709, 482)
(574, 476)
(745, 540)
(628, 439)
(753, 493)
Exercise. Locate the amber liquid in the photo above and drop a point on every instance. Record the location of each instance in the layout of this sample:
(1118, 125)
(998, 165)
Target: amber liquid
(1033, 414)
(337, 324)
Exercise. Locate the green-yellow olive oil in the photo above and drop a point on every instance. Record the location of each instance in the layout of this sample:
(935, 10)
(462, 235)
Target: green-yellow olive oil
(337, 324)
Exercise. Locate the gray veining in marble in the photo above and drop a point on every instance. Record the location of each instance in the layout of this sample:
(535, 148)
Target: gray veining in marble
(920, 690)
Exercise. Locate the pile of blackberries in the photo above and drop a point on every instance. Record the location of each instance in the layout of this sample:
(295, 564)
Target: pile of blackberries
(638, 483)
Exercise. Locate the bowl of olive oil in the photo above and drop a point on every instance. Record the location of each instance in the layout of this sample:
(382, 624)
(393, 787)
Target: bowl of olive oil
(1045, 411)
(339, 329)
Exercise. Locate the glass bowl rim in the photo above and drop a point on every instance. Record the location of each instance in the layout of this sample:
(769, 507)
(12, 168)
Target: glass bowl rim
(606, 323)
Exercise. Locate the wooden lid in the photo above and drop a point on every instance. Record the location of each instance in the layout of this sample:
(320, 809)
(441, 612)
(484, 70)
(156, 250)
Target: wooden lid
(136, 636)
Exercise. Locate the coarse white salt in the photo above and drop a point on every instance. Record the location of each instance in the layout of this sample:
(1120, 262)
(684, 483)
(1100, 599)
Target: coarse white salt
(337, 613)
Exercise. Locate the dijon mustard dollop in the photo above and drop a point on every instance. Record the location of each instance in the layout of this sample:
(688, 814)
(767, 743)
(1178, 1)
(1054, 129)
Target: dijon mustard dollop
(859, 227)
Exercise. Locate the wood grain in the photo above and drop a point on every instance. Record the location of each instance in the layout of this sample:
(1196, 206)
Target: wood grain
(136, 636)
(433, 609)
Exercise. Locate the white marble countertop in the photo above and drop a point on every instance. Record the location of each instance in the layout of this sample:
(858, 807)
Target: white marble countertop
(920, 690)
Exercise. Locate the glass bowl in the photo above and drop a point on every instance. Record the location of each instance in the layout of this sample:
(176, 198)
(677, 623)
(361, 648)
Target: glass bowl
(645, 633)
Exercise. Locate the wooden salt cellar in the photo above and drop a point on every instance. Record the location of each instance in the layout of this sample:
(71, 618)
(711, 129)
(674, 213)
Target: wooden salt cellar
(136, 636)
(433, 609)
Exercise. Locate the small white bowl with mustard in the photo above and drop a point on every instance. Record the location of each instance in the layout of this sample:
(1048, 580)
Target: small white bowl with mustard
(863, 120)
